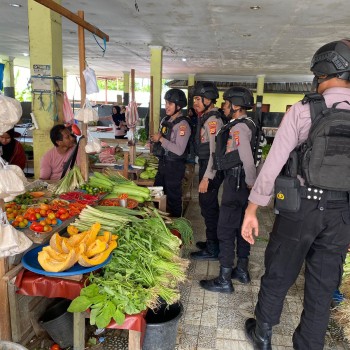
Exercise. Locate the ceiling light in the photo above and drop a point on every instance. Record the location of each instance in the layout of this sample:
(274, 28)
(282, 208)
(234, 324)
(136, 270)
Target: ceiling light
(25, 54)
(184, 59)
(246, 35)
(256, 7)
(15, 5)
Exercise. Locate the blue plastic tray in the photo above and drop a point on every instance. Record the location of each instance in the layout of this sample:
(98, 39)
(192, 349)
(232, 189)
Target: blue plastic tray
(31, 263)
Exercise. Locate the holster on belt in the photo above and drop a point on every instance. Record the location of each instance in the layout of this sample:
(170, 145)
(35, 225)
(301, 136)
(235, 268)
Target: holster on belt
(287, 193)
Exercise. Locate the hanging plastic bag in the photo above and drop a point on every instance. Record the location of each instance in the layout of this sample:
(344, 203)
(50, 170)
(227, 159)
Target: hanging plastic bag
(67, 110)
(12, 241)
(93, 145)
(87, 114)
(10, 182)
(90, 80)
(10, 113)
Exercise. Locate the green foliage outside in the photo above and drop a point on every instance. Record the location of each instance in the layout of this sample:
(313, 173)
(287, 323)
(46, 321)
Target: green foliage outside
(22, 95)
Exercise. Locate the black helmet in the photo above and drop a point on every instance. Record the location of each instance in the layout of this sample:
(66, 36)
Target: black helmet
(176, 96)
(239, 96)
(332, 59)
(207, 90)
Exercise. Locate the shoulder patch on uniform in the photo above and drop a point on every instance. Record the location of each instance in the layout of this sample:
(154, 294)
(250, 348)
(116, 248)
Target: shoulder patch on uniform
(182, 130)
(212, 127)
(236, 136)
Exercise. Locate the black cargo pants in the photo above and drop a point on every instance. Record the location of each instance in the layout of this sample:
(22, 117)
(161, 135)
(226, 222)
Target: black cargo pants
(170, 174)
(209, 201)
(233, 205)
(320, 238)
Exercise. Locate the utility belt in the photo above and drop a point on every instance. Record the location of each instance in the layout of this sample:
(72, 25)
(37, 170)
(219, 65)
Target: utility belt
(314, 193)
(288, 194)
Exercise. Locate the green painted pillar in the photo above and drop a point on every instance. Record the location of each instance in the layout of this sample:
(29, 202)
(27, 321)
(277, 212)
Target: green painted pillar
(45, 47)
(259, 96)
(156, 76)
(126, 97)
(9, 80)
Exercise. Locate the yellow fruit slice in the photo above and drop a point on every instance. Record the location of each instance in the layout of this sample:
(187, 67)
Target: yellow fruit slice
(96, 247)
(52, 265)
(56, 242)
(54, 254)
(97, 259)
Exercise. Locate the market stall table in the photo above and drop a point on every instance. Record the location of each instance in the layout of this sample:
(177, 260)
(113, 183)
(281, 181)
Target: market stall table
(32, 284)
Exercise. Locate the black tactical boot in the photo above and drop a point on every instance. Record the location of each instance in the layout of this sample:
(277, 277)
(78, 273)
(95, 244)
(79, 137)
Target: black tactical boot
(221, 284)
(201, 245)
(210, 253)
(259, 333)
(240, 272)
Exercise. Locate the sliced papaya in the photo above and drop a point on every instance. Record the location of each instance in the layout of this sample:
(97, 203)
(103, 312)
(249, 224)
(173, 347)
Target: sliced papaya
(97, 259)
(66, 247)
(94, 230)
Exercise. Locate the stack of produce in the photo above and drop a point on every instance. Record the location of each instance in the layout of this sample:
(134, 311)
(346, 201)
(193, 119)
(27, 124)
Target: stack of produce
(150, 166)
(88, 248)
(72, 180)
(145, 267)
(116, 184)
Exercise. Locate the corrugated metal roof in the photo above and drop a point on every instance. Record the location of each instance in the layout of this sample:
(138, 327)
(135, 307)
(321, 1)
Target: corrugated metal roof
(282, 87)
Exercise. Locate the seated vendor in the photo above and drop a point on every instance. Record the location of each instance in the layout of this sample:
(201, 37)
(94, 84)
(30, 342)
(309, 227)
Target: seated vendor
(11, 150)
(53, 162)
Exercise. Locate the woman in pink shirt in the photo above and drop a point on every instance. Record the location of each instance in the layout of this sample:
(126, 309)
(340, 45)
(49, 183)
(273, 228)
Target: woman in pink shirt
(54, 160)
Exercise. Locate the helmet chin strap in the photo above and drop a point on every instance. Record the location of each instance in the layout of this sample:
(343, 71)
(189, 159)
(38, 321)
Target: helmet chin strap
(233, 111)
(205, 106)
(177, 110)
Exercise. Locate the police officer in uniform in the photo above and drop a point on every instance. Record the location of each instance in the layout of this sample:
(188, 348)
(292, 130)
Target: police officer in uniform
(318, 234)
(171, 148)
(205, 95)
(234, 143)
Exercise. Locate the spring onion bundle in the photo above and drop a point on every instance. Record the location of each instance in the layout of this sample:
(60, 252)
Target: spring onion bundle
(72, 180)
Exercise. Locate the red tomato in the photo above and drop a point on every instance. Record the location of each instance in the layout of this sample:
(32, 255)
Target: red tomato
(62, 211)
(32, 217)
(55, 347)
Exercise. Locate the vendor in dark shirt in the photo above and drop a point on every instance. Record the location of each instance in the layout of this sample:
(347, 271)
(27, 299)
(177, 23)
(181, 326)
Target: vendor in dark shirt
(119, 121)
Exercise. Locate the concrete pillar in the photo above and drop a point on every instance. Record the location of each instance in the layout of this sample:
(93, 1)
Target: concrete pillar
(9, 80)
(126, 98)
(259, 96)
(156, 73)
(190, 83)
(45, 47)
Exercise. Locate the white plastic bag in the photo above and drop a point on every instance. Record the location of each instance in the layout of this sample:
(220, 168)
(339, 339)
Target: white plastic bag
(10, 182)
(10, 113)
(93, 145)
(12, 241)
(90, 80)
(87, 114)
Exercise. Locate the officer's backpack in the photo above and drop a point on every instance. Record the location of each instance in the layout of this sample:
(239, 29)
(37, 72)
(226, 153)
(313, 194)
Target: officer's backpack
(324, 158)
(227, 161)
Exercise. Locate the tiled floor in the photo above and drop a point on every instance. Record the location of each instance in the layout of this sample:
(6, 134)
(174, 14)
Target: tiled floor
(215, 321)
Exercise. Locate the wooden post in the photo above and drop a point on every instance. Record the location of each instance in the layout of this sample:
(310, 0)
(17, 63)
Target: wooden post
(5, 320)
(84, 158)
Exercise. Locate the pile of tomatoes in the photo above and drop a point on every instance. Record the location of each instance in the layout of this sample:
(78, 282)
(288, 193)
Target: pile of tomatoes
(42, 217)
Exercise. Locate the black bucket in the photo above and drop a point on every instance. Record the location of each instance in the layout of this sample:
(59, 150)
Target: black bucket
(58, 322)
(161, 328)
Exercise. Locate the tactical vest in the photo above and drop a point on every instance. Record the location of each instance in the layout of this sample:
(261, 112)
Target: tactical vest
(166, 128)
(324, 158)
(223, 160)
(203, 148)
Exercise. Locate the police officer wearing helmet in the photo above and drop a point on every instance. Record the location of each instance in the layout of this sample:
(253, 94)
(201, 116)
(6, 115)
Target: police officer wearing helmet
(234, 157)
(318, 233)
(171, 148)
(205, 95)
